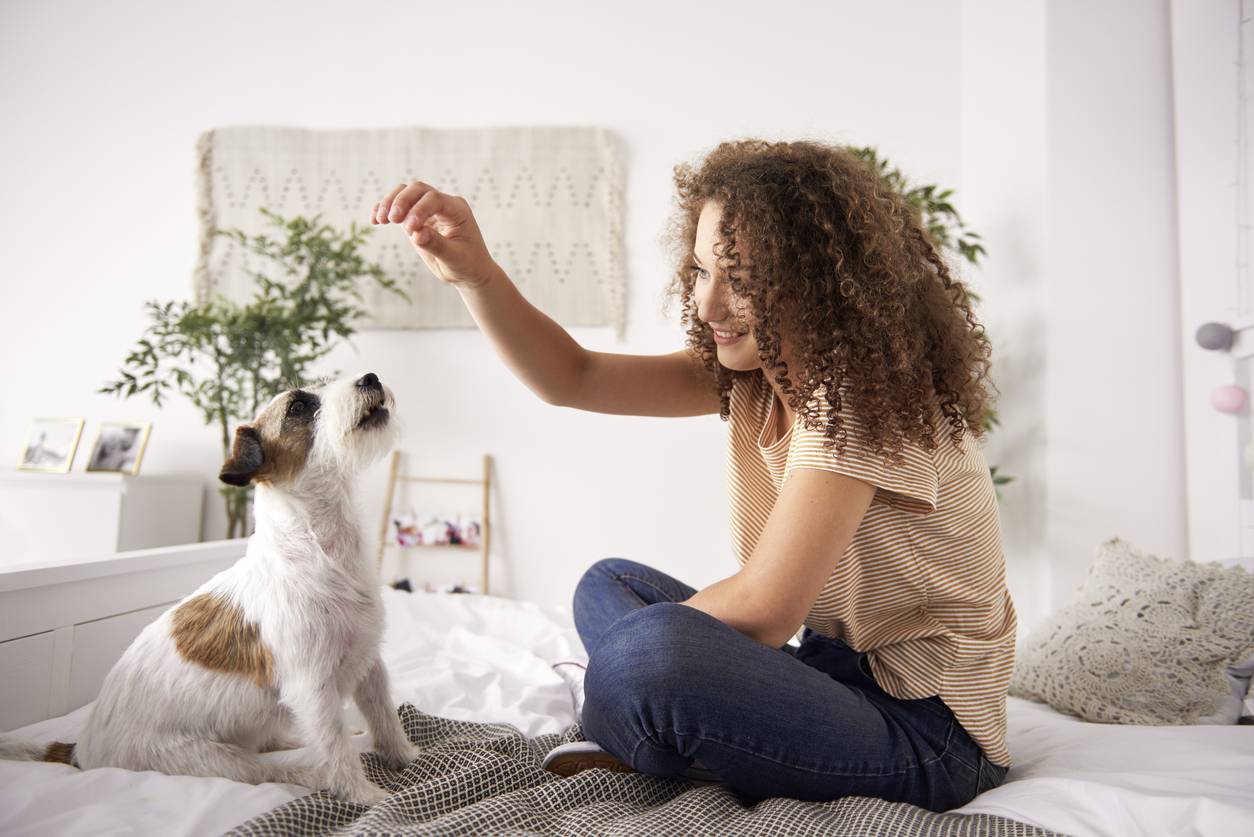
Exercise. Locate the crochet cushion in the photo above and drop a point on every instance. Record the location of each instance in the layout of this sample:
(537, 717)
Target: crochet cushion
(1148, 640)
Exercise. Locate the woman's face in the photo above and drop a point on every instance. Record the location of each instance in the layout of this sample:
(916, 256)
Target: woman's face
(717, 306)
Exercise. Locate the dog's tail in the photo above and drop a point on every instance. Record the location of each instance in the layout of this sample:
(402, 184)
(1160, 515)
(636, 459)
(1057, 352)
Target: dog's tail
(20, 749)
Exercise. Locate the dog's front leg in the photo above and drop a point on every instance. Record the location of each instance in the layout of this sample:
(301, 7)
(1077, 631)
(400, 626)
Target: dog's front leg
(315, 707)
(374, 699)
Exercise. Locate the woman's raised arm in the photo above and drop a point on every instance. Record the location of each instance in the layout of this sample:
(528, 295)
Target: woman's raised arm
(540, 352)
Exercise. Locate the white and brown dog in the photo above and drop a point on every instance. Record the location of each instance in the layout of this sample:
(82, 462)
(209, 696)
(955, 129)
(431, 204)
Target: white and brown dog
(260, 658)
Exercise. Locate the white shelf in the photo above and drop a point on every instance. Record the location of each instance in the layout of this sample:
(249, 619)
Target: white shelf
(89, 480)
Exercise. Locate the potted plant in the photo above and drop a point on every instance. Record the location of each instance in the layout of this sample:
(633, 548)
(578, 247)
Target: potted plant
(229, 359)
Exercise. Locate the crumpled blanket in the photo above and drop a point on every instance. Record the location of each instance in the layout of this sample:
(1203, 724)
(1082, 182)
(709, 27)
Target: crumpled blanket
(477, 778)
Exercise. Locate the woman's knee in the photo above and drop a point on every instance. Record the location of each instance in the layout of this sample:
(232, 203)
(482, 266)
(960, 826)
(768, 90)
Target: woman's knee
(597, 578)
(647, 654)
(597, 574)
(593, 604)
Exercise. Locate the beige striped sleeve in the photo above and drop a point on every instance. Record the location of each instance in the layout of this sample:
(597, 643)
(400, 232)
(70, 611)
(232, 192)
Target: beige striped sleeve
(910, 484)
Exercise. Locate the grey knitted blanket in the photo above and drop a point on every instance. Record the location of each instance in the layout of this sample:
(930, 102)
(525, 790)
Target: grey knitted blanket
(475, 778)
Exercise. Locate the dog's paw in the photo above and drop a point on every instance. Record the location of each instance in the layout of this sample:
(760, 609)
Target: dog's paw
(399, 756)
(361, 792)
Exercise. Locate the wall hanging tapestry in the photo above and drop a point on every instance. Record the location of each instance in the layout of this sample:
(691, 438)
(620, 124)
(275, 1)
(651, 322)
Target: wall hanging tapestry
(548, 199)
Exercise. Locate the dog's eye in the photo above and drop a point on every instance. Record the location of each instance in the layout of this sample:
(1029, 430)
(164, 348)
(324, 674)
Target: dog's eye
(296, 408)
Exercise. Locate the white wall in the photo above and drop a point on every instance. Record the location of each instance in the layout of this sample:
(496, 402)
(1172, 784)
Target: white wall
(1067, 162)
(1114, 405)
(102, 105)
(1003, 196)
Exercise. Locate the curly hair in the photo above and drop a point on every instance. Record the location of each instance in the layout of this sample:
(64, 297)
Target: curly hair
(840, 263)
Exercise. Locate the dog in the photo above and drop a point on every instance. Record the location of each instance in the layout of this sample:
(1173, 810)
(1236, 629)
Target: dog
(259, 659)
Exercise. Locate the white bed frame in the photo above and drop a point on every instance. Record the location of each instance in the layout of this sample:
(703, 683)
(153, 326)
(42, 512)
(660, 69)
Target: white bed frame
(64, 625)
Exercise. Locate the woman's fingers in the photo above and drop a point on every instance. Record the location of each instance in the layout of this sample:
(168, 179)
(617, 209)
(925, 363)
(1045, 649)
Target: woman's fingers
(381, 209)
(428, 206)
(415, 205)
(441, 227)
(405, 199)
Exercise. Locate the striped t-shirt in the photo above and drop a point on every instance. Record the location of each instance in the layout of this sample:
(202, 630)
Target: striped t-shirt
(922, 586)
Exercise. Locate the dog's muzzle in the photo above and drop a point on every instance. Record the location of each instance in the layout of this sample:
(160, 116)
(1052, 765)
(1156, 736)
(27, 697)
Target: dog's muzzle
(376, 414)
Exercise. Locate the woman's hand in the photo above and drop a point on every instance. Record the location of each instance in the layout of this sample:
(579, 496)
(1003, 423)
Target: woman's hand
(442, 229)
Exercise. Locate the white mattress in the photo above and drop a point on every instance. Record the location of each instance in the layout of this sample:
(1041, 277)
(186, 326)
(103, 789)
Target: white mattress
(488, 659)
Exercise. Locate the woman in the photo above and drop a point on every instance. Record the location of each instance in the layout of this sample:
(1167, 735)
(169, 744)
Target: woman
(825, 328)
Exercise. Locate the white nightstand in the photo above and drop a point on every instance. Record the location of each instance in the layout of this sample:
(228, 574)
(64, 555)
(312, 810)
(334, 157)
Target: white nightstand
(48, 517)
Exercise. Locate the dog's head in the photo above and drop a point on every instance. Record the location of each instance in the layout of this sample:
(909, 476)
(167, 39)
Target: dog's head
(335, 429)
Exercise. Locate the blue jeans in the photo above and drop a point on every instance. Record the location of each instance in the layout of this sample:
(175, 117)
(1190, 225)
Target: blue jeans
(672, 691)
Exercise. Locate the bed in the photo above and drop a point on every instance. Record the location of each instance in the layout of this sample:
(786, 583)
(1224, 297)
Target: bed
(481, 659)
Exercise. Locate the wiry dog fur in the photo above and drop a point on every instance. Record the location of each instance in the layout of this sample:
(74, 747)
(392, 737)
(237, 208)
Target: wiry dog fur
(260, 658)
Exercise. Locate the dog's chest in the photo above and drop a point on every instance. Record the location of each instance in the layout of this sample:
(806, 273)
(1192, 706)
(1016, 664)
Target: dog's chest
(328, 613)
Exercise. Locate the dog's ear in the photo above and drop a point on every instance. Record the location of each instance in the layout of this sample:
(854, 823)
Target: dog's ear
(246, 458)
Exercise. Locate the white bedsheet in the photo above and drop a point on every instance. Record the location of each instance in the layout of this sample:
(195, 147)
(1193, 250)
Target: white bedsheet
(488, 659)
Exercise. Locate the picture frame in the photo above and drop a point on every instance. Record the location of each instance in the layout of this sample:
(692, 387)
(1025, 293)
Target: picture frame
(119, 446)
(50, 445)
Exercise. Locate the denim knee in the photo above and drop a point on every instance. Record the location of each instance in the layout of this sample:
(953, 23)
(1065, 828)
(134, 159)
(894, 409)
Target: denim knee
(592, 586)
(600, 572)
(626, 668)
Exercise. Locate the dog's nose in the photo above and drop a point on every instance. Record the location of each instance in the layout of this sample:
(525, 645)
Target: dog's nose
(368, 381)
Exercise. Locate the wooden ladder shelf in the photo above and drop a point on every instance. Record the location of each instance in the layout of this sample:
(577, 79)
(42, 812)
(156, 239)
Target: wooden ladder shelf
(395, 477)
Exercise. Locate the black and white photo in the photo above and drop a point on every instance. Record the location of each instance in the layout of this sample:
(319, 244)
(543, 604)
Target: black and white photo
(50, 444)
(119, 447)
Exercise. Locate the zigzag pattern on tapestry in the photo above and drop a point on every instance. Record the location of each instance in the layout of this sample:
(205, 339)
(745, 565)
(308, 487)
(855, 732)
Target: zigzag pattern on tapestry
(549, 202)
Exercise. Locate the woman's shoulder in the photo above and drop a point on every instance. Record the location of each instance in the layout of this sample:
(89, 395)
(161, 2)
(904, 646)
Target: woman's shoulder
(748, 388)
(910, 442)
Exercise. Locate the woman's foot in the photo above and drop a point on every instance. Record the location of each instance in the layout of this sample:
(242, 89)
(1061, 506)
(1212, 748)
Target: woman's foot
(577, 756)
